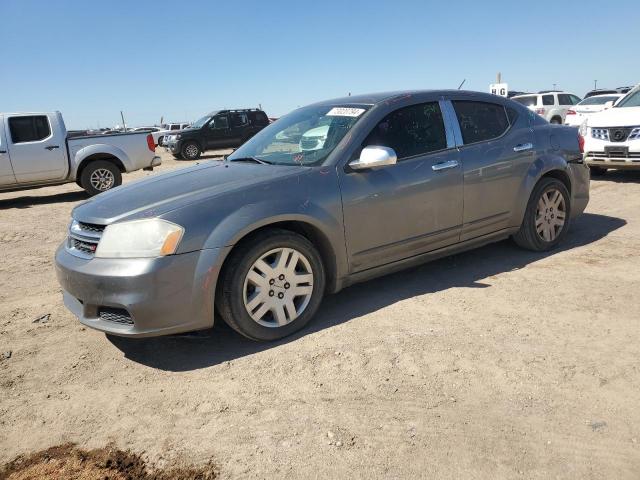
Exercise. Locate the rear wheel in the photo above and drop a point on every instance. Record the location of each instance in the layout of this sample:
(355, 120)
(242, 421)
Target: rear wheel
(100, 176)
(597, 171)
(556, 120)
(190, 151)
(271, 286)
(546, 219)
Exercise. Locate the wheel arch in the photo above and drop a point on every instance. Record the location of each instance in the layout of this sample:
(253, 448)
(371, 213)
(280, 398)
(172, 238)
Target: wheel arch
(99, 156)
(304, 227)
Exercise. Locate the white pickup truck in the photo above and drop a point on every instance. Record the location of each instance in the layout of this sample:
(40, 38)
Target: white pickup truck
(36, 151)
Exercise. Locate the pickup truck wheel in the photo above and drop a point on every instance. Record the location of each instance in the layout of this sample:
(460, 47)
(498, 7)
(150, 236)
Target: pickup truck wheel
(100, 176)
(190, 151)
(546, 219)
(597, 171)
(271, 286)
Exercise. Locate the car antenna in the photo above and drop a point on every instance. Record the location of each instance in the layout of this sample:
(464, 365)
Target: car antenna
(460, 86)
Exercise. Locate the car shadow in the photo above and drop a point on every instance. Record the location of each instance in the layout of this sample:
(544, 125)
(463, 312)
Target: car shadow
(618, 176)
(28, 201)
(466, 270)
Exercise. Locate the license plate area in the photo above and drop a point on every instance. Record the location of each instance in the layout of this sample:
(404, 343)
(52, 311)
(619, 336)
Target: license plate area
(614, 151)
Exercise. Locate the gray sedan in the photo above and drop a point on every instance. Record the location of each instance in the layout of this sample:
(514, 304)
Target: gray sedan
(393, 180)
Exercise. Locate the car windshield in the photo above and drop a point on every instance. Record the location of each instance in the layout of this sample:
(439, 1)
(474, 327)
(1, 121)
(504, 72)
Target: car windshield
(303, 137)
(200, 122)
(599, 100)
(529, 101)
(631, 100)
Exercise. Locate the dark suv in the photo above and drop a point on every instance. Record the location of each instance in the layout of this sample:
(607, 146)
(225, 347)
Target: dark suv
(220, 129)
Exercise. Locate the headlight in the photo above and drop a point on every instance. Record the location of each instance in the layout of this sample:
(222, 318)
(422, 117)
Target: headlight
(582, 130)
(139, 239)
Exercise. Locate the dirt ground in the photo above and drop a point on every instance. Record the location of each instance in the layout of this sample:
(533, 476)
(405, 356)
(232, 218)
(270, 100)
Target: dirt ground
(497, 363)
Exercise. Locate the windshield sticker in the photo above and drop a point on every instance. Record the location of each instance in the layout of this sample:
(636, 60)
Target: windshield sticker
(345, 112)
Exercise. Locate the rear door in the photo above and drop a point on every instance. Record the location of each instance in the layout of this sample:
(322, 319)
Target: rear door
(6, 172)
(36, 147)
(497, 149)
(402, 210)
(239, 127)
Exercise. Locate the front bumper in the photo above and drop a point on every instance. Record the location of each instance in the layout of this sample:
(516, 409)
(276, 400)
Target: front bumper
(599, 159)
(161, 295)
(173, 146)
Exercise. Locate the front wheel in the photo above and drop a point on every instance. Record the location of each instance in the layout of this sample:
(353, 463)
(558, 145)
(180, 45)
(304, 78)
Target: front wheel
(100, 176)
(190, 151)
(546, 219)
(271, 286)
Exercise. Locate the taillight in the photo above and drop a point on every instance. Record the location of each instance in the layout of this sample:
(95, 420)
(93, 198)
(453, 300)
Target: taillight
(571, 112)
(540, 111)
(150, 143)
(581, 143)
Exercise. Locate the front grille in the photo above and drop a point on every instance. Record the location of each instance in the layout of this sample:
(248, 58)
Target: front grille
(619, 134)
(84, 238)
(115, 315)
(86, 247)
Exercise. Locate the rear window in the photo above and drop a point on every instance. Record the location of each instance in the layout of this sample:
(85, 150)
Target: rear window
(29, 128)
(547, 100)
(480, 121)
(530, 101)
(599, 100)
(564, 99)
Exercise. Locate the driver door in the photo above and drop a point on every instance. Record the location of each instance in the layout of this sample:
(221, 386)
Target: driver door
(218, 133)
(402, 210)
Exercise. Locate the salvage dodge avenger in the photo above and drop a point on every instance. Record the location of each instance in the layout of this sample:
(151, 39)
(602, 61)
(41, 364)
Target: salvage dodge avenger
(400, 178)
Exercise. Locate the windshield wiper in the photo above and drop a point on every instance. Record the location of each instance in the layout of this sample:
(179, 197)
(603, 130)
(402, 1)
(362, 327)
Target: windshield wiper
(252, 159)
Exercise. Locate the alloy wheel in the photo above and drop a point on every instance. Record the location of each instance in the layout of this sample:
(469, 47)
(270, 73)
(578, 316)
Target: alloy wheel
(102, 179)
(550, 214)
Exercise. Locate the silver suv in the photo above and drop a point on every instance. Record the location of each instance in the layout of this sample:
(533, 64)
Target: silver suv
(550, 105)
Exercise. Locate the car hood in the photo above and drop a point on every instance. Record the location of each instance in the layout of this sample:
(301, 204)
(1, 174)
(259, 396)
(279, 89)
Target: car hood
(616, 117)
(163, 193)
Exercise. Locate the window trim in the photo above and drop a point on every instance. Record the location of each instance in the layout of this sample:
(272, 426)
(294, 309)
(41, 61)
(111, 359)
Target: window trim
(10, 135)
(457, 123)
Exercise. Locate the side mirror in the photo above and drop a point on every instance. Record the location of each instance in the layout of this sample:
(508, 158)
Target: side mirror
(374, 156)
(609, 104)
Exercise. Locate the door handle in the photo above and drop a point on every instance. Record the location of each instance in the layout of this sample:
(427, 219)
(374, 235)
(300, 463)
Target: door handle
(438, 167)
(523, 147)
(51, 147)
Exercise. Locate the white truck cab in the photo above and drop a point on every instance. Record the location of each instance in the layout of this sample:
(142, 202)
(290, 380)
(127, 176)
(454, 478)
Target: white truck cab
(612, 137)
(36, 150)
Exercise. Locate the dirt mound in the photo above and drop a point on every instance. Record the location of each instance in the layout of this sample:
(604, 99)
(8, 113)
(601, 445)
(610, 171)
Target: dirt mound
(69, 462)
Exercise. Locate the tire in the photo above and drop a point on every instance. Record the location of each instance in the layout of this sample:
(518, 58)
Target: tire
(190, 151)
(100, 176)
(597, 171)
(161, 140)
(278, 311)
(177, 156)
(556, 121)
(538, 232)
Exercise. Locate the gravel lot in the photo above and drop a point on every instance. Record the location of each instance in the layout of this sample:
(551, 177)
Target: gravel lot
(497, 363)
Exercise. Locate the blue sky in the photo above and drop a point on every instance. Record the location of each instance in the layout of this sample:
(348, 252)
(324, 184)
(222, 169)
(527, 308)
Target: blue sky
(181, 59)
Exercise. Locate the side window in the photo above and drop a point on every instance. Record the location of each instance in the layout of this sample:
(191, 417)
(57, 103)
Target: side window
(261, 118)
(547, 100)
(239, 119)
(219, 122)
(480, 121)
(175, 127)
(29, 128)
(411, 131)
(575, 100)
(564, 99)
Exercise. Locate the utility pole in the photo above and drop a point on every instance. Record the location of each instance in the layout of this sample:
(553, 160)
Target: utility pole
(554, 86)
(124, 125)
(595, 84)
(498, 78)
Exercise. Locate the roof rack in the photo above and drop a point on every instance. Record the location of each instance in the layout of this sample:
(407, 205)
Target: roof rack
(549, 91)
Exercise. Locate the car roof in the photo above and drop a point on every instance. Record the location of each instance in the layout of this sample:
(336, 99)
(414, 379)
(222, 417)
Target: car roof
(612, 94)
(382, 97)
